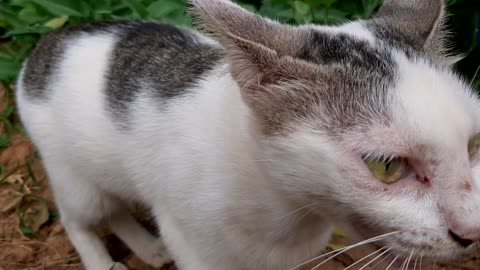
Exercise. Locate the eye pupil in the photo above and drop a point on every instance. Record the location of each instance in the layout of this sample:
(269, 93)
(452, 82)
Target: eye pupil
(387, 165)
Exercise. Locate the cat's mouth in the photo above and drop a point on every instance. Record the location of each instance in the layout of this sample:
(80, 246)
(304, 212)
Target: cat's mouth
(397, 253)
(407, 248)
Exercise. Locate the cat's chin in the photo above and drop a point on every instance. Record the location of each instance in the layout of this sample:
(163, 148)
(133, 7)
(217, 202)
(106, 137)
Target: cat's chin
(401, 259)
(412, 263)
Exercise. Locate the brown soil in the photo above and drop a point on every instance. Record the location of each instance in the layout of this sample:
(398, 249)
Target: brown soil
(27, 203)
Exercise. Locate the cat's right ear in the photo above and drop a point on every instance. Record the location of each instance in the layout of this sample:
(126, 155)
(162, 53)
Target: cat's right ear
(261, 51)
(421, 22)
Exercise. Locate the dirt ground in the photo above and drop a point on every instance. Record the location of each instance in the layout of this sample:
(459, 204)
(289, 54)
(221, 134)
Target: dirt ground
(31, 236)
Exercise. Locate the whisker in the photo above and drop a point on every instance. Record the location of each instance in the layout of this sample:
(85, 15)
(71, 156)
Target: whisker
(298, 209)
(281, 219)
(382, 260)
(421, 257)
(362, 259)
(302, 217)
(374, 259)
(341, 250)
(409, 258)
(474, 76)
(403, 264)
(415, 264)
(476, 256)
(390, 265)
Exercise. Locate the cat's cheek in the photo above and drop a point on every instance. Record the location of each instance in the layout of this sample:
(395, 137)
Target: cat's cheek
(407, 186)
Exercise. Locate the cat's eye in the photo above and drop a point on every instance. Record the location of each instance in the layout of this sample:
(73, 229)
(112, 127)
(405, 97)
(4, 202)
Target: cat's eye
(387, 171)
(474, 145)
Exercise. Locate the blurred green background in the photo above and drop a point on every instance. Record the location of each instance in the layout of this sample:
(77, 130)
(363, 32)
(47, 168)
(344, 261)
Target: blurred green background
(22, 22)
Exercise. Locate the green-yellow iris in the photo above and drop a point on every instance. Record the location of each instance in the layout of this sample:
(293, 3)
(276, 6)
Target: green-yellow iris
(386, 171)
(473, 145)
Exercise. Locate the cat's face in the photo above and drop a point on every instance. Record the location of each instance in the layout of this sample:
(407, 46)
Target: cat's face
(331, 103)
(432, 119)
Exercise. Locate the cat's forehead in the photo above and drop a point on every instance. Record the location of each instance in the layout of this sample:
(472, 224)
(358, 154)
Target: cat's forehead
(356, 81)
(433, 105)
(432, 112)
(376, 81)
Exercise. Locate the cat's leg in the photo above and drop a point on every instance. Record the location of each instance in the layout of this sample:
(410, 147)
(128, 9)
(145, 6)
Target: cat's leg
(183, 251)
(146, 246)
(90, 248)
(82, 205)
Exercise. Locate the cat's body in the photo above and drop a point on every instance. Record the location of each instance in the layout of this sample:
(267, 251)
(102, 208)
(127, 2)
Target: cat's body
(141, 111)
(202, 132)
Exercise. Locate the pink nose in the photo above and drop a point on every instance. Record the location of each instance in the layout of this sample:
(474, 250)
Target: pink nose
(465, 239)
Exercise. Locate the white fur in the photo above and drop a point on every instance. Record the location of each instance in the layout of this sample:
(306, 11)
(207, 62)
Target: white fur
(354, 29)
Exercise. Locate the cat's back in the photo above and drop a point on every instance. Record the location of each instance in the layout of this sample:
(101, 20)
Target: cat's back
(133, 53)
(88, 81)
(104, 67)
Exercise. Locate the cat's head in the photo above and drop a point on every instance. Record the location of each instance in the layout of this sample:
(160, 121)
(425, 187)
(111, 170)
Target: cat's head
(366, 119)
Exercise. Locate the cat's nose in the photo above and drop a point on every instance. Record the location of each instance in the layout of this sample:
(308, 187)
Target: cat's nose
(465, 240)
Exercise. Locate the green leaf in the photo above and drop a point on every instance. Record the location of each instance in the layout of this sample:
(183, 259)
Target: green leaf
(10, 16)
(31, 15)
(23, 51)
(62, 7)
(162, 8)
(27, 231)
(249, 7)
(20, 3)
(339, 233)
(301, 7)
(18, 126)
(136, 7)
(369, 7)
(4, 140)
(27, 30)
(330, 16)
(56, 22)
(8, 111)
(52, 215)
(8, 69)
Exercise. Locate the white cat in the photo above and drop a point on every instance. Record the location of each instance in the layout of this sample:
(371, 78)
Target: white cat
(249, 150)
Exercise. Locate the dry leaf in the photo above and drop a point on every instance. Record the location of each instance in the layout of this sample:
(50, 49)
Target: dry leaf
(10, 199)
(339, 233)
(15, 179)
(36, 215)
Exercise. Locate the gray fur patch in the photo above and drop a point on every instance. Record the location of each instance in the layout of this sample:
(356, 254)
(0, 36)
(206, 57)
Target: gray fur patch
(352, 87)
(165, 58)
(396, 39)
(42, 64)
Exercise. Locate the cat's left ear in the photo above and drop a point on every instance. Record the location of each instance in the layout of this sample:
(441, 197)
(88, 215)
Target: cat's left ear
(261, 51)
(420, 22)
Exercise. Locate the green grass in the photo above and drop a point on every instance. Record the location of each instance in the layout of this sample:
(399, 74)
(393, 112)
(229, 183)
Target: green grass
(23, 22)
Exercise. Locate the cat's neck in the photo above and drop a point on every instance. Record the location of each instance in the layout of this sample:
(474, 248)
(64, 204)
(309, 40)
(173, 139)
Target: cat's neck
(255, 205)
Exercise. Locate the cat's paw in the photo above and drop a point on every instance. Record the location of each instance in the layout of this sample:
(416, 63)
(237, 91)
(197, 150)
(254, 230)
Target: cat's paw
(156, 255)
(118, 266)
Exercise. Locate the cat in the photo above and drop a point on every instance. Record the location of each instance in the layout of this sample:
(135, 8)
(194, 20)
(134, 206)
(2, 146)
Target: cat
(251, 141)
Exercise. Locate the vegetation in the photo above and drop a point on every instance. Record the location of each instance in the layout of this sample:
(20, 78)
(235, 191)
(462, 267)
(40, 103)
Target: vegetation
(23, 22)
